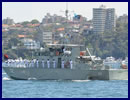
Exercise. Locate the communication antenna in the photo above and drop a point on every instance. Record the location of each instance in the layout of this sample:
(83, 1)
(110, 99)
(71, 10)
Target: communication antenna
(66, 12)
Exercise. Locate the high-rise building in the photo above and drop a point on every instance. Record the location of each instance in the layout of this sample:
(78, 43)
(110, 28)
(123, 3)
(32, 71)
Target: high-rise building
(103, 19)
(8, 21)
(52, 19)
(110, 20)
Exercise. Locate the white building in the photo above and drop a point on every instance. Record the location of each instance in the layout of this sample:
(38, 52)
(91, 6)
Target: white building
(31, 44)
(47, 37)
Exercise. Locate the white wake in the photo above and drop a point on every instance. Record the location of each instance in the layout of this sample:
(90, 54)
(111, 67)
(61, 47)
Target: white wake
(81, 80)
(3, 73)
(6, 78)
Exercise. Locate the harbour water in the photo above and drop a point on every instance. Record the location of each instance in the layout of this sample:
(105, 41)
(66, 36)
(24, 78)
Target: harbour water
(63, 89)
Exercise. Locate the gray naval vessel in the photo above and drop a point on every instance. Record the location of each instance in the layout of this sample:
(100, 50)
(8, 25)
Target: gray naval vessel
(72, 62)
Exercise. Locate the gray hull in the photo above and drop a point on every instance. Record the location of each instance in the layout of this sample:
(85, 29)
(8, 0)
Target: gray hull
(65, 74)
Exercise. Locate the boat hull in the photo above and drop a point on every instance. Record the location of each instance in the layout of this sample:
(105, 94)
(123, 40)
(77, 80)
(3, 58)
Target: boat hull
(65, 74)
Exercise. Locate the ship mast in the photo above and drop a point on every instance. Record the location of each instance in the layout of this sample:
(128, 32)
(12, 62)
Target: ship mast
(66, 12)
(66, 36)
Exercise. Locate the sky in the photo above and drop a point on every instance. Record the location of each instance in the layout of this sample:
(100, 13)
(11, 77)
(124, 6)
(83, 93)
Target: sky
(27, 11)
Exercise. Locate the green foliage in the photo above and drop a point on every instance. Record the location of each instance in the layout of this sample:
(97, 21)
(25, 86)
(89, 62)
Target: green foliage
(35, 21)
(25, 23)
(13, 42)
(110, 43)
(11, 54)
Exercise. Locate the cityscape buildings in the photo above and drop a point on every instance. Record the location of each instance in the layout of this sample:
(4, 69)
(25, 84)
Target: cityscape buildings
(103, 19)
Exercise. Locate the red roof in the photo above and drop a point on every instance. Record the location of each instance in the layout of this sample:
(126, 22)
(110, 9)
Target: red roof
(21, 36)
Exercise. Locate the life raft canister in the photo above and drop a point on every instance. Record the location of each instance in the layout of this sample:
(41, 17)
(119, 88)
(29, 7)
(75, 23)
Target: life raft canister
(6, 56)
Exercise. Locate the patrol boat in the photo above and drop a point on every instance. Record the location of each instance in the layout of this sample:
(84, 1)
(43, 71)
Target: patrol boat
(72, 62)
(64, 62)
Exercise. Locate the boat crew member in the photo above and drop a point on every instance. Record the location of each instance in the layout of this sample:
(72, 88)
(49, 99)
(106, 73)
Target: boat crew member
(14, 63)
(18, 63)
(11, 63)
(37, 63)
(64, 50)
(54, 63)
(26, 63)
(48, 63)
(71, 64)
(62, 63)
(43, 63)
(32, 63)
(22, 63)
(29, 63)
(8, 63)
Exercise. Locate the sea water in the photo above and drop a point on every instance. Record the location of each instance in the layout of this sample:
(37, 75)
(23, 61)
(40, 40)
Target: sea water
(63, 89)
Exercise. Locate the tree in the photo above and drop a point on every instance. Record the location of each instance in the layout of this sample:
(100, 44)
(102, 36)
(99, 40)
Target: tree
(110, 43)
(35, 21)
(25, 23)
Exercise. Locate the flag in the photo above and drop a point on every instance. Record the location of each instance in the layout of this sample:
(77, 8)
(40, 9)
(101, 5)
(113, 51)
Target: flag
(77, 16)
